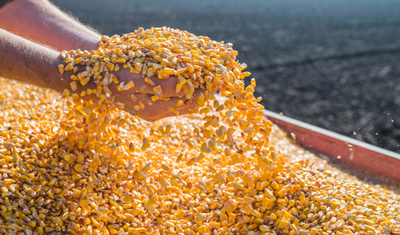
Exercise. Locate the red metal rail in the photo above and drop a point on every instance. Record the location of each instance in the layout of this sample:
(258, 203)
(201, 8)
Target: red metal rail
(347, 150)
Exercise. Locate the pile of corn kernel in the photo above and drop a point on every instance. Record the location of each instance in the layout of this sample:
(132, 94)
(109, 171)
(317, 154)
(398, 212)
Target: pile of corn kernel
(85, 167)
(197, 62)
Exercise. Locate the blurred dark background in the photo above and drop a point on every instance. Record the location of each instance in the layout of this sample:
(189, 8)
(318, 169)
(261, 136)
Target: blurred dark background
(334, 64)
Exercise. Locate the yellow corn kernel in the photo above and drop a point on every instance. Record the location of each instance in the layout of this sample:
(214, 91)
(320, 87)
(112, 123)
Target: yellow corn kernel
(190, 68)
(69, 67)
(58, 221)
(121, 61)
(145, 144)
(179, 103)
(149, 81)
(73, 85)
(154, 98)
(61, 68)
(158, 90)
(174, 111)
(111, 66)
(128, 86)
(79, 168)
(169, 71)
(66, 93)
(178, 88)
(84, 81)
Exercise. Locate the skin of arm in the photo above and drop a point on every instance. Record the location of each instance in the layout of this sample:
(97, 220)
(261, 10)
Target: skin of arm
(28, 62)
(42, 22)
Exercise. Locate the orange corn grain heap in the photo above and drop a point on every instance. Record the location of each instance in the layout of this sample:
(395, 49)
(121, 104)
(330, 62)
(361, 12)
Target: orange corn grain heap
(78, 166)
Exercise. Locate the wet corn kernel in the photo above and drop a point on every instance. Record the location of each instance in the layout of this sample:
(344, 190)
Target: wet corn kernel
(84, 167)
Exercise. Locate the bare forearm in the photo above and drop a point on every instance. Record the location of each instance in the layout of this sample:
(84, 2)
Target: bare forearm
(28, 62)
(42, 22)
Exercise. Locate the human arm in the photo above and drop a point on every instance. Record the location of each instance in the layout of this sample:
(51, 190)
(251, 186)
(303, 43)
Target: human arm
(28, 62)
(42, 22)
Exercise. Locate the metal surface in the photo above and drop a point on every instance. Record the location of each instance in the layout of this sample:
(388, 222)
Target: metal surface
(344, 149)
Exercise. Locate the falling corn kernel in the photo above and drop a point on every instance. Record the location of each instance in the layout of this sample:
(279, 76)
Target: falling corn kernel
(128, 86)
(178, 88)
(179, 103)
(141, 105)
(174, 111)
(120, 87)
(158, 90)
(133, 98)
(84, 81)
(69, 67)
(61, 68)
(73, 86)
(154, 98)
(66, 93)
(149, 81)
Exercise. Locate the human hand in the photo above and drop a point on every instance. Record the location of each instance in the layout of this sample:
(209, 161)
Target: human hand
(140, 96)
(151, 100)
